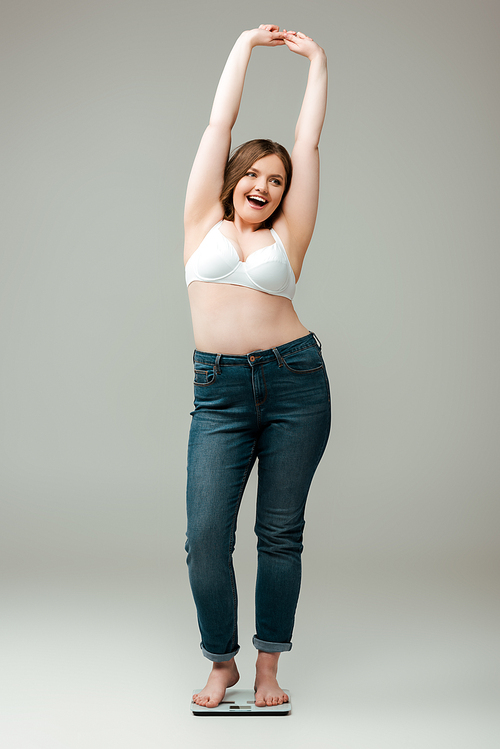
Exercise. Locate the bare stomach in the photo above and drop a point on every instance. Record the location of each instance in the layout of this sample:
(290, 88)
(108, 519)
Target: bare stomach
(235, 320)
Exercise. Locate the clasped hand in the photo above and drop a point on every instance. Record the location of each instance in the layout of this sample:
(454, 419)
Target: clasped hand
(269, 35)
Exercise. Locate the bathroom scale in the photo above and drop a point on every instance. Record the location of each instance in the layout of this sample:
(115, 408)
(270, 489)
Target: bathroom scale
(241, 702)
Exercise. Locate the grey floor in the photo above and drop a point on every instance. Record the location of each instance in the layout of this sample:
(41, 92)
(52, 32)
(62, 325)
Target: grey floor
(390, 657)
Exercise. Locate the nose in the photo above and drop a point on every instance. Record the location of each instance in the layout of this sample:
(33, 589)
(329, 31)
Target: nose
(261, 185)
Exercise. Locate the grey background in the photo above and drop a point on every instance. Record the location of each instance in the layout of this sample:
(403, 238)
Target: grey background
(396, 636)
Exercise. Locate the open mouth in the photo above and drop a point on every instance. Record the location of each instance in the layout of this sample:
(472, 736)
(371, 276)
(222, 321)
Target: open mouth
(256, 201)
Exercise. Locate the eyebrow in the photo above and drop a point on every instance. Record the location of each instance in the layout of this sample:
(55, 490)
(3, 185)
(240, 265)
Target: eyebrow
(253, 169)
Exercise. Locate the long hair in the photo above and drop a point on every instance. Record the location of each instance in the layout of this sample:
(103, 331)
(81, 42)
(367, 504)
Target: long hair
(240, 162)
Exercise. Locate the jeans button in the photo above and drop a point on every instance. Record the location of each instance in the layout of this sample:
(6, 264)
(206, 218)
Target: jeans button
(252, 358)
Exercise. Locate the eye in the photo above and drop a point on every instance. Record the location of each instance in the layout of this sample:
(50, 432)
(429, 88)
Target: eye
(276, 181)
(250, 174)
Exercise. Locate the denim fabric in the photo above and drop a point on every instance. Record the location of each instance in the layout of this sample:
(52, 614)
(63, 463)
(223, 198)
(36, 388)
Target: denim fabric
(272, 406)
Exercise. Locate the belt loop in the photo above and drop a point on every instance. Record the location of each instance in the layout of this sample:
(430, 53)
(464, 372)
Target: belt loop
(316, 339)
(278, 356)
(217, 365)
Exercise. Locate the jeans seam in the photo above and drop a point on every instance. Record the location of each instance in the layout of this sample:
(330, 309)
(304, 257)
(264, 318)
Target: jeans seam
(232, 543)
(304, 371)
(327, 384)
(210, 371)
(259, 403)
(304, 347)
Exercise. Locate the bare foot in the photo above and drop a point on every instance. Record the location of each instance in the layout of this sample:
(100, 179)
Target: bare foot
(267, 690)
(222, 676)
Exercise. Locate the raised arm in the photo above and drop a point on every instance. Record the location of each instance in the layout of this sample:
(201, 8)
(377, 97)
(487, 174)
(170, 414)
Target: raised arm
(300, 205)
(207, 173)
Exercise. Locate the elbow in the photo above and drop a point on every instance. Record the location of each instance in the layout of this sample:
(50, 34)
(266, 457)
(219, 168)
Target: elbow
(307, 143)
(221, 124)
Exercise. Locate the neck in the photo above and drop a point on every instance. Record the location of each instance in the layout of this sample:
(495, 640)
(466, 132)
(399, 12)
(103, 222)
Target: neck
(243, 226)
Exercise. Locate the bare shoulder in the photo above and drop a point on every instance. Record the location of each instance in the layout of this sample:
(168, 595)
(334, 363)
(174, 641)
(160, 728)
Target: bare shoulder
(196, 231)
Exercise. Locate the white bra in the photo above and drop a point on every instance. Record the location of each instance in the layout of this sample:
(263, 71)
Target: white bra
(267, 269)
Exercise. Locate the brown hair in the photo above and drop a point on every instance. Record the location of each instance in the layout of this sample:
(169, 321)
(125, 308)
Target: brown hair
(240, 162)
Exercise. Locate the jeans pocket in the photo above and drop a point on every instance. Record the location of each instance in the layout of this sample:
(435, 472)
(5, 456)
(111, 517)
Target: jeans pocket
(204, 374)
(304, 361)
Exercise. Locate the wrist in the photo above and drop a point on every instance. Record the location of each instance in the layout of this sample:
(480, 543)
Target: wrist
(318, 54)
(248, 37)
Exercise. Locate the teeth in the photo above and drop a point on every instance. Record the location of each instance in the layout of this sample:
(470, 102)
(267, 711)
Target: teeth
(256, 197)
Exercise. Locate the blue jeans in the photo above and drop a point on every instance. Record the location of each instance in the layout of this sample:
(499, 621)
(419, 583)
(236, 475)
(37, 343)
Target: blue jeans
(273, 406)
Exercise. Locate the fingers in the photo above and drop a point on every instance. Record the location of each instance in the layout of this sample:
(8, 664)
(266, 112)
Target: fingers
(293, 39)
(300, 43)
(272, 27)
(298, 34)
(290, 38)
(276, 36)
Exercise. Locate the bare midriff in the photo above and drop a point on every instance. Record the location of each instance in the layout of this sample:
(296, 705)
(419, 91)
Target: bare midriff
(229, 319)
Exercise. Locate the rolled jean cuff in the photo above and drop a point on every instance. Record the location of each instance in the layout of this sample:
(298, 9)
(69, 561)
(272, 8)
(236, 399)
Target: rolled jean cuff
(219, 658)
(271, 647)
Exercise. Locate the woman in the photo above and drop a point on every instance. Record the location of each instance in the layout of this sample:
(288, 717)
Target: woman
(261, 389)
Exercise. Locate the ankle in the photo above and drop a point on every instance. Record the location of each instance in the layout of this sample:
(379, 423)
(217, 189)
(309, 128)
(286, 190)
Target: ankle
(224, 665)
(267, 661)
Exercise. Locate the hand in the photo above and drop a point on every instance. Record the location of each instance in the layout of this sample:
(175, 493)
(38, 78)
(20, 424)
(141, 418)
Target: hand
(267, 35)
(301, 44)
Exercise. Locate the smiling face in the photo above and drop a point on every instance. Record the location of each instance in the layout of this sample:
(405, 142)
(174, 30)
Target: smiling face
(258, 193)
